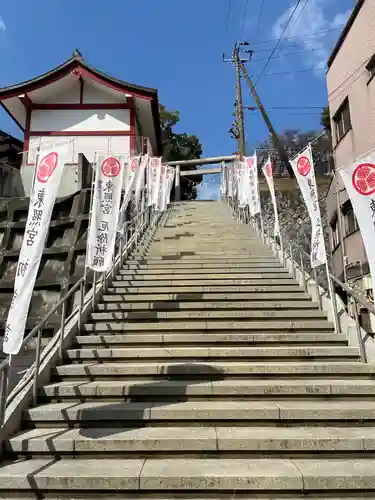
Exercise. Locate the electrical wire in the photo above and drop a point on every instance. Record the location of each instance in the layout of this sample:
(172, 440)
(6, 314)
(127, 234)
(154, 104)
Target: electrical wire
(296, 20)
(259, 18)
(244, 18)
(313, 33)
(228, 19)
(349, 77)
(290, 72)
(278, 42)
(285, 55)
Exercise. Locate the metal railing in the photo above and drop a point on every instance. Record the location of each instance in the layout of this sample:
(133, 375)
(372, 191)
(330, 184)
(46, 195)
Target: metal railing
(130, 236)
(296, 255)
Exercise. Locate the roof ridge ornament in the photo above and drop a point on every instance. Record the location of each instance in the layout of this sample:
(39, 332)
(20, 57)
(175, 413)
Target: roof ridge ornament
(77, 54)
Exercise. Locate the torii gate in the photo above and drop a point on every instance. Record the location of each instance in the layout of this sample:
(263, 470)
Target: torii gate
(281, 183)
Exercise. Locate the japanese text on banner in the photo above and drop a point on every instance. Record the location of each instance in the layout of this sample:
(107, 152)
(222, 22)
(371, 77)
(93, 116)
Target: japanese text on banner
(105, 212)
(253, 185)
(268, 174)
(49, 171)
(303, 168)
(359, 181)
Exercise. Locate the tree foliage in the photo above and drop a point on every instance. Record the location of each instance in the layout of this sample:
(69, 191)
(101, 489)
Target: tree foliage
(179, 146)
(325, 119)
(294, 141)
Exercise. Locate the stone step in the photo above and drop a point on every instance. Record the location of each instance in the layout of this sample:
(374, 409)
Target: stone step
(201, 268)
(129, 275)
(193, 259)
(226, 314)
(175, 440)
(118, 305)
(283, 295)
(202, 273)
(295, 387)
(205, 283)
(193, 475)
(278, 411)
(113, 340)
(192, 352)
(311, 325)
(193, 290)
(268, 258)
(216, 369)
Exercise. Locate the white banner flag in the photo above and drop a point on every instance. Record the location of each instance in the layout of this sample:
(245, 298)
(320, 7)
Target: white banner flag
(253, 185)
(303, 167)
(359, 181)
(161, 204)
(131, 168)
(49, 170)
(268, 174)
(230, 176)
(243, 184)
(153, 180)
(140, 178)
(171, 174)
(105, 212)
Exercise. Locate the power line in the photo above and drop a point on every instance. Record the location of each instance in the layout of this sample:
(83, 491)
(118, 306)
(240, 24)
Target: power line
(278, 42)
(297, 18)
(348, 78)
(290, 72)
(259, 18)
(244, 18)
(285, 55)
(228, 19)
(313, 33)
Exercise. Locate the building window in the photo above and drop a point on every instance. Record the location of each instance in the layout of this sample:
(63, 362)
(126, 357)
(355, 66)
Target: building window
(351, 223)
(334, 234)
(371, 67)
(342, 120)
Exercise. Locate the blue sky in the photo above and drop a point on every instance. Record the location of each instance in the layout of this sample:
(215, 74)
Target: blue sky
(177, 47)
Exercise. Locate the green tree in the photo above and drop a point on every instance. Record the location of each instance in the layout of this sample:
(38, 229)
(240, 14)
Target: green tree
(180, 146)
(325, 119)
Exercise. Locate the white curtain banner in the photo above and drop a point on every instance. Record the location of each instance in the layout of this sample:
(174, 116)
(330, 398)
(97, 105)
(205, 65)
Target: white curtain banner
(268, 174)
(128, 187)
(49, 170)
(303, 167)
(359, 181)
(253, 185)
(105, 212)
(223, 180)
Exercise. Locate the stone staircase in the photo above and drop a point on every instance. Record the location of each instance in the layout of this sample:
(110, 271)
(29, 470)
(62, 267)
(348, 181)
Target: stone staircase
(204, 373)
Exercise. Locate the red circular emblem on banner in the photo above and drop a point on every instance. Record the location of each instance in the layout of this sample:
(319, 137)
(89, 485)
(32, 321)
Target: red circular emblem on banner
(111, 167)
(46, 167)
(154, 162)
(250, 162)
(363, 179)
(269, 170)
(304, 166)
(134, 165)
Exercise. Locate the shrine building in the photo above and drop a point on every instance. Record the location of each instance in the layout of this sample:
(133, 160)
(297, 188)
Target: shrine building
(90, 110)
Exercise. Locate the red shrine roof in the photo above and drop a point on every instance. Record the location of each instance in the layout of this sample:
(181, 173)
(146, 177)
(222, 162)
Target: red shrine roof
(30, 91)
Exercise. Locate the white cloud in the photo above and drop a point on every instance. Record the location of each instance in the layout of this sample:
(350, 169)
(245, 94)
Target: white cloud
(2, 24)
(310, 18)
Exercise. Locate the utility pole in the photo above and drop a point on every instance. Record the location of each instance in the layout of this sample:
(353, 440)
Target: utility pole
(239, 105)
(239, 130)
(275, 138)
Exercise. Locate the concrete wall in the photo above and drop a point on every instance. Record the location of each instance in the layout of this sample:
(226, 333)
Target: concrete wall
(348, 78)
